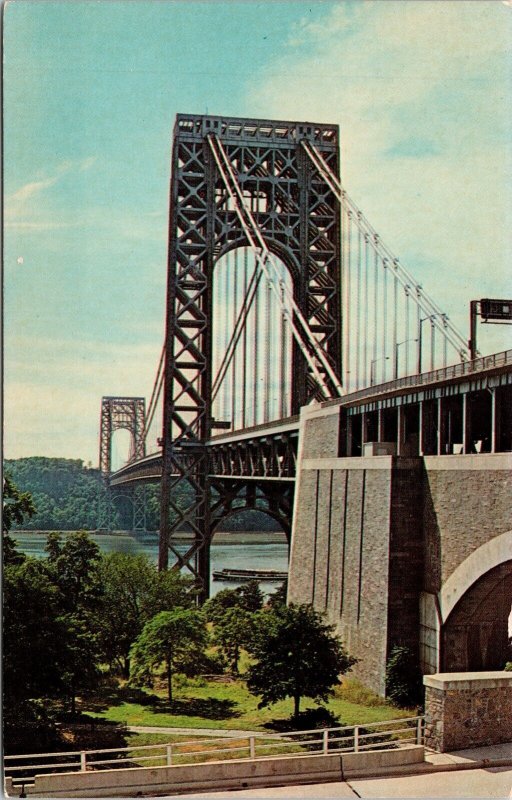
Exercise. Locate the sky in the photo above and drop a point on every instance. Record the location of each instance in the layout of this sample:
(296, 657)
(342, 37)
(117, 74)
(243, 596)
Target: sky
(421, 91)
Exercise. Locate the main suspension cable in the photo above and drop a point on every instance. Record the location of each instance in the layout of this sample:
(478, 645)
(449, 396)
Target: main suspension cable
(404, 276)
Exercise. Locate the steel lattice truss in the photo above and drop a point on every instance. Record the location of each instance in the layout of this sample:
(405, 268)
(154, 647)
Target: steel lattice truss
(128, 413)
(298, 217)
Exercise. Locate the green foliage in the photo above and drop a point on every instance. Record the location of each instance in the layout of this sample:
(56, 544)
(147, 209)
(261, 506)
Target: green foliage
(74, 567)
(34, 634)
(404, 684)
(248, 597)
(171, 638)
(66, 495)
(353, 691)
(278, 598)
(508, 666)
(296, 655)
(233, 630)
(16, 507)
(133, 592)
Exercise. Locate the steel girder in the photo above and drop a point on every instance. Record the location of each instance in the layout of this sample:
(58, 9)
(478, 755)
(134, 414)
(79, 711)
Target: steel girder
(272, 497)
(299, 220)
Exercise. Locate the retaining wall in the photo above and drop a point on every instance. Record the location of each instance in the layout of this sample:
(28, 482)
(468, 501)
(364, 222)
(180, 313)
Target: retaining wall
(467, 709)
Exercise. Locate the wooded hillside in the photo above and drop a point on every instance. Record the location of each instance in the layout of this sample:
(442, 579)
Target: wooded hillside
(69, 496)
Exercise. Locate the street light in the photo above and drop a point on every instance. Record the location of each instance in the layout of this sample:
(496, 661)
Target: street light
(420, 328)
(398, 344)
(372, 371)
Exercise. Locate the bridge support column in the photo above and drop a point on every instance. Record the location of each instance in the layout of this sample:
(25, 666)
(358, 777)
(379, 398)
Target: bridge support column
(400, 436)
(139, 508)
(493, 420)
(439, 425)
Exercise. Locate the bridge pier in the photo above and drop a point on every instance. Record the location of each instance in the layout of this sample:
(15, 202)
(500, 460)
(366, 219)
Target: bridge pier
(407, 540)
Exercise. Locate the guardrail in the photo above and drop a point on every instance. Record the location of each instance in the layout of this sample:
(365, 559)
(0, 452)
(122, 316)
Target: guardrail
(454, 371)
(387, 735)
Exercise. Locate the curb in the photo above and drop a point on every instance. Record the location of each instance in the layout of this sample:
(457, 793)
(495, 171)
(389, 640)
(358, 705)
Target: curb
(425, 768)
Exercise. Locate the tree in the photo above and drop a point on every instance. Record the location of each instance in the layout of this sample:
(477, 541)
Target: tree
(17, 506)
(74, 569)
(248, 597)
(297, 656)
(167, 638)
(278, 598)
(233, 630)
(404, 681)
(133, 592)
(33, 634)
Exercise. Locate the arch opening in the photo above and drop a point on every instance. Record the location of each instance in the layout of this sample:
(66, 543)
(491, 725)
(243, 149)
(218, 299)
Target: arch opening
(476, 634)
(262, 546)
(122, 447)
(251, 342)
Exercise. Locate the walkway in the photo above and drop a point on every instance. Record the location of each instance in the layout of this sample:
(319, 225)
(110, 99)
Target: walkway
(484, 772)
(215, 733)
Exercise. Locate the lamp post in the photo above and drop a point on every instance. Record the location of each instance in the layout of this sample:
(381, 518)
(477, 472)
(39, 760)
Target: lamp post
(398, 344)
(372, 370)
(420, 328)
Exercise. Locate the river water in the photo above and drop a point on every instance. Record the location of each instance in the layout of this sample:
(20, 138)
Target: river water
(251, 550)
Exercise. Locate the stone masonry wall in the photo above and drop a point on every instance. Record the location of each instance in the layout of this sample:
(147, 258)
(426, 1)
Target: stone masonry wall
(339, 554)
(465, 710)
(464, 507)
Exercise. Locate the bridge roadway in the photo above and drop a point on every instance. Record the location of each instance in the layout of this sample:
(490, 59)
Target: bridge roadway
(263, 451)
(269, 451)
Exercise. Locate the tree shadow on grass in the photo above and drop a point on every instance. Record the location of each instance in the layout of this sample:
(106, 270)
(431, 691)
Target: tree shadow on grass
(116, 695)
(208, 708)
(311, 719)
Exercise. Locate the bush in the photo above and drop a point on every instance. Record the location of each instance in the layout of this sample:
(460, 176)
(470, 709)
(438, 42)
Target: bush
(404, 683)
(352, 691)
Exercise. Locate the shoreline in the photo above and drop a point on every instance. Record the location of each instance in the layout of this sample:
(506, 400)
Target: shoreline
(222, 537)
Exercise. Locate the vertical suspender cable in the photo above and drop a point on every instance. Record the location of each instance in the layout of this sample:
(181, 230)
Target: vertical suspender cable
(346, 304)
(445, 343)
(244, 346)
(283, 378)
(419, 311)
(406, 279)
(268, 351)
(358, 307)
(255, 354)
(366, 300)
(432, 343)
(225, 301)
(406, 290)
(234, 376)
(375, 301)
(395, 319)
(384, 316)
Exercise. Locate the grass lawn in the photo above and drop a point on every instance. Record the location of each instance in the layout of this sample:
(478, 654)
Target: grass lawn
(229, 705)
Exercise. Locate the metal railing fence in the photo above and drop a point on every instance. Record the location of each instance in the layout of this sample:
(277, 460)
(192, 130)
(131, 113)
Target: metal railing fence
(386, 735)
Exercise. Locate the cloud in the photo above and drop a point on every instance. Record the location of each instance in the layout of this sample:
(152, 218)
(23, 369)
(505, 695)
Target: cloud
(18, 203)
(53, 391)
(420, 92)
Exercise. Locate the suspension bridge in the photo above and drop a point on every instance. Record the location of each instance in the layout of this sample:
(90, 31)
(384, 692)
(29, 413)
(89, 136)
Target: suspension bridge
(283, 299)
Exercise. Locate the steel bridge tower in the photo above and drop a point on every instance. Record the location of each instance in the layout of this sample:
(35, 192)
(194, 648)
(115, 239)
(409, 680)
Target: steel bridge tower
(127, 413)
(296, 217)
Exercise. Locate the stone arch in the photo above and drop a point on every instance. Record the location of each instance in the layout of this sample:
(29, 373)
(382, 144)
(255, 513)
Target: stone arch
(474, 636)
(485, 558)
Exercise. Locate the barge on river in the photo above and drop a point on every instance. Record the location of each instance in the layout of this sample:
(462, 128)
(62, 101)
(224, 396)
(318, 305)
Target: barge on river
(239, 575)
